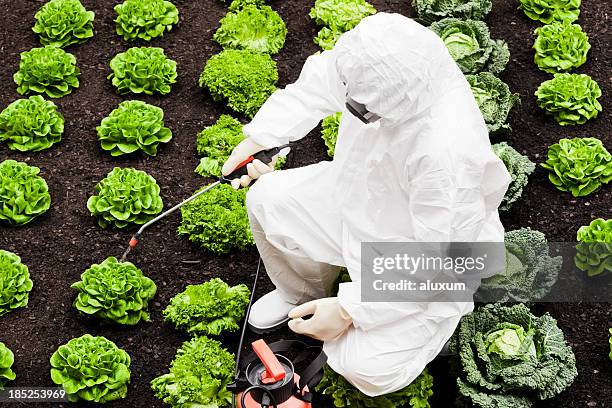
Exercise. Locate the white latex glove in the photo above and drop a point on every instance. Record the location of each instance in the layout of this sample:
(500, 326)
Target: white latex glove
(255, 169)
(329, 320)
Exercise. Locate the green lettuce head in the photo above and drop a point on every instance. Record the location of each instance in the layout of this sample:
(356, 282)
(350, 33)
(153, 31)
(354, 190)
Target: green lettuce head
(91, 368)
(6, 362)
(337, 17)
(15, 284)
(594, 251)
(329, 132)
(252, 28)
(198, 376)
(344, 394)
(143, 70)
(548, 11)
(432, 10)
(208, 308)
(31, 125)
(24, 195)
(560, 47)
(243, 78)
(63, 22)
(572, 99)
(494, 100)
(124, 197)
(215, 143)
(115, 291)
(471, 46)
(48, 70)
(218, 221)
(519, 167)
(133, 126)
(507, 357)
(579, 165)
(145, 19)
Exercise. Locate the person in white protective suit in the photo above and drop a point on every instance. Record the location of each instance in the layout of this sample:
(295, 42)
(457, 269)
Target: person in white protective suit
(420, 168)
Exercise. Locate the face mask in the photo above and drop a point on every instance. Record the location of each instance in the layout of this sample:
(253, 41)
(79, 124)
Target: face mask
(360, 111)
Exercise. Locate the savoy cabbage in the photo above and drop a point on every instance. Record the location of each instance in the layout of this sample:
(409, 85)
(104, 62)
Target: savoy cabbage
(519, 167)
(494, 99)
(469, 43)
(432, 10)
(509, 358)
(529, 273)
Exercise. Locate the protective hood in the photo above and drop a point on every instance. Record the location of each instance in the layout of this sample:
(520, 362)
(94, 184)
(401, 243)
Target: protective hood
(394, 66)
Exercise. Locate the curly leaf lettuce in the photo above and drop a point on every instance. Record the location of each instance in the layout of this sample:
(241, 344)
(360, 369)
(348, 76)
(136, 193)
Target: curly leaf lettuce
(143, 70)
(548, 11)
(507, 357)
(329, 132)
(125, 196)
(91, 369)
(63, 22)
(215, 143)
(494, 100)
(579, 165)
(519, 167)
(15, 283)
(48, 70)
(243, 78)
(6, 362)
(337, 17)
(115, 291)
(24, 195)
(145, 19)
(218, 221)
(432, 10)
(344, 394)
(594, 251)
(198, 376)
(572, 99)
(560, 47)
(133, 126)
(469, 43)
(208, 308)
(253, 28)
(31, 125)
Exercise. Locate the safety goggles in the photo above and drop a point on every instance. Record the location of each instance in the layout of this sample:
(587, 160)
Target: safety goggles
(360, 111)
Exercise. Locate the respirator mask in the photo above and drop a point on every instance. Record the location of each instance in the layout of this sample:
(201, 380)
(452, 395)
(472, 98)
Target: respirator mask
(360, 111)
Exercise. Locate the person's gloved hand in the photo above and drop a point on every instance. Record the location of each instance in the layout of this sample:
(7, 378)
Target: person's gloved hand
(255, 169)
(329, 320)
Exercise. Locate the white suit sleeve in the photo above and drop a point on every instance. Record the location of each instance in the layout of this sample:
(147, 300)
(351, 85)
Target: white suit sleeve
(290, 113)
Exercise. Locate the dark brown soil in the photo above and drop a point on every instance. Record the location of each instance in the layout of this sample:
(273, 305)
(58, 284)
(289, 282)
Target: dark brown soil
(60, 245)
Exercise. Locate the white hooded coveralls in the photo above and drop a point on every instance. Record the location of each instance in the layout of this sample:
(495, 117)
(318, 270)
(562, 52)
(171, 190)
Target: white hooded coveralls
(424, 172)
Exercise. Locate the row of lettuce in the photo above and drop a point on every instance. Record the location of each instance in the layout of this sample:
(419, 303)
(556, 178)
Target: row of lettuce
(493, 343)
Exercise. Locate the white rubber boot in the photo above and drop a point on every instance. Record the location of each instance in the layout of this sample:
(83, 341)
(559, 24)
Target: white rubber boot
(269, 313)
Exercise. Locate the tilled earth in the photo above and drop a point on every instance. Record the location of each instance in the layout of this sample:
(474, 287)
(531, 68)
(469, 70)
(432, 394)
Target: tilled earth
(60, 245)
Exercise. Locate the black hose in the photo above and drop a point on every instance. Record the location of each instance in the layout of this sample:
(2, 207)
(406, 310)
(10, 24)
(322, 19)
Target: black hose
(264, 390)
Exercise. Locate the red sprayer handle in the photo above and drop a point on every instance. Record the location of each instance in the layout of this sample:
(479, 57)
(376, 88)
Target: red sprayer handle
(274, 370)
(265, 156)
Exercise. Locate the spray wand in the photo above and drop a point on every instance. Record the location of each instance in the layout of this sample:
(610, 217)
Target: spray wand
(266, 156)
